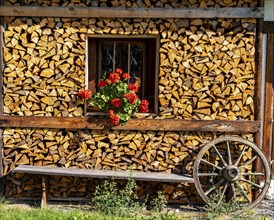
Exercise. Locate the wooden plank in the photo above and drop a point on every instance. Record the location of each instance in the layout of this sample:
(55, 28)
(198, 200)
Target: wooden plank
(1, 96)
(104, 12)
(268, 113)
(268, 27)
(133, 124)
(270, 71)
(103, 174)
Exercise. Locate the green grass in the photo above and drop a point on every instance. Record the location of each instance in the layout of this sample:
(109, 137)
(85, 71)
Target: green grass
(51, 214)
(7, 212)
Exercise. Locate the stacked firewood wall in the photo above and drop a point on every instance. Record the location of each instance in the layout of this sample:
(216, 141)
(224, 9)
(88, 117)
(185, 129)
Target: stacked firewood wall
(171, 152)
(206, 66)
(206, 72)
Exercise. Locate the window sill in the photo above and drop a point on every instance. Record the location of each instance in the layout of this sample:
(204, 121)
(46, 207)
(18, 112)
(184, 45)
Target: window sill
(135, 115)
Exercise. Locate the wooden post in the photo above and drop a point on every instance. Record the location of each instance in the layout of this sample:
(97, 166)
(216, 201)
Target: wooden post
(44, 192)
(1, 97)
(258, 78)
(258, 89)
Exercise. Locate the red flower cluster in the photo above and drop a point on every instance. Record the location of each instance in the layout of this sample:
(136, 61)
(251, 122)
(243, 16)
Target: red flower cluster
(84, 94)
(143, 107)
(125, 76)
(114, 77)
(119, 71)
(116, 102)
(110, 112)
(131, 97)
(114, 119)
(133, 87)
(123, 101)
(102, 84)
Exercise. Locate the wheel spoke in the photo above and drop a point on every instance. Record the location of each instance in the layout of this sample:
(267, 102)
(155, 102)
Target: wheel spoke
(240, 157)
(215, 186)
(253, 184)
(228, 153)
(211, 164)
(243, 192)
(252, 174)
(219, 155)
(222, 195)
(210, 174)
(249, 161)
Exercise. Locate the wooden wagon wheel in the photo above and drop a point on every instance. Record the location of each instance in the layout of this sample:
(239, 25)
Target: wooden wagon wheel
(224, 168)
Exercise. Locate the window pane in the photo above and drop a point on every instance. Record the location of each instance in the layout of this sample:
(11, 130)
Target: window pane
(125, 57)
(107, 57)
(110, 51)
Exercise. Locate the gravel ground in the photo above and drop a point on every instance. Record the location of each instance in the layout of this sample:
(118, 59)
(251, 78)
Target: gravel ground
(266, 207)
(265, 211)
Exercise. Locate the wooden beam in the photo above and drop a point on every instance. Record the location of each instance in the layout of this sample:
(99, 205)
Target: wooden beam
(7, 121)
(104, 12)
(268, 27)
(268, 112)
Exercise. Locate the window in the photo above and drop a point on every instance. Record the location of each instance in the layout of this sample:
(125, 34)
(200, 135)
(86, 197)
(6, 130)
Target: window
(136, 55)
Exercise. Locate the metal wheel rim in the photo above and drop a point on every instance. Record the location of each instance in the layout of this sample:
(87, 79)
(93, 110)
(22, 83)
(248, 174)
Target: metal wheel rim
(237, 139)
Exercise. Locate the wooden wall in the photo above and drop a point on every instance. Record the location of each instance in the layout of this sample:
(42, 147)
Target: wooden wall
(207, 71)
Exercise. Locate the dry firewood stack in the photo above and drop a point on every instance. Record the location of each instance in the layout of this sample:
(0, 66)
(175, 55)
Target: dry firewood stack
(206, 72)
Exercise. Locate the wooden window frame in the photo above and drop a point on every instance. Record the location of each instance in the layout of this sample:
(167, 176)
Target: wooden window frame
(91, 70)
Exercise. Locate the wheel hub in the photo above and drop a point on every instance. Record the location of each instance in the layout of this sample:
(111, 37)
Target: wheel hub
(231, 173)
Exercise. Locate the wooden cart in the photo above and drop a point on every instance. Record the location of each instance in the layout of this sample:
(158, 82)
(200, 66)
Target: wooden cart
(227, 168)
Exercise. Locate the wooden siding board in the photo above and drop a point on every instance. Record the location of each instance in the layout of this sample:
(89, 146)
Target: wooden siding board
(1, 96)
(268, 27)
(268, 114)
(270, 97)
(134, 124)
(102, 12)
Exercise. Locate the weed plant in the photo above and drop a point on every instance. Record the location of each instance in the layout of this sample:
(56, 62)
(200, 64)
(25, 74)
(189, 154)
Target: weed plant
(108, 199)
(216, 211)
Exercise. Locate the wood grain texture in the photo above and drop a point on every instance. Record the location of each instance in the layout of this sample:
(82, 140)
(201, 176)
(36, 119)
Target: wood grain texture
(1, 97)
(134, 124)
(268, 113)
(143, 176)
(94, 12)
(268, 27)
(258, 78)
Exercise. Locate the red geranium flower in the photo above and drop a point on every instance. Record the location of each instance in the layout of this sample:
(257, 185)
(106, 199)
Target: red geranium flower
(125, 76)
(102, 84)
(143, 107)
(108, 82)
(119, 71)
(116, 102)
(114, 119)
(144, 102)
(84, 94)
(131, 97)
(114, 77)
(110, 112)
(133, 86)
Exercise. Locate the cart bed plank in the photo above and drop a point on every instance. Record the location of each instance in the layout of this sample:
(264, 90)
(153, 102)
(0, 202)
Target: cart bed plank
(116, 174)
